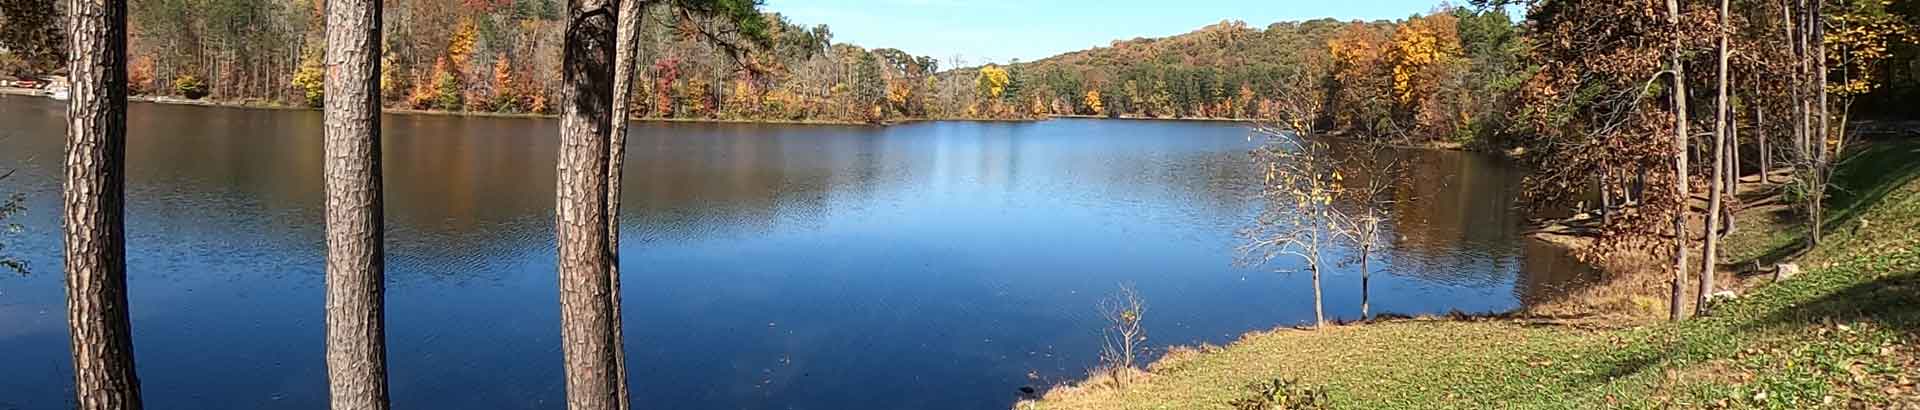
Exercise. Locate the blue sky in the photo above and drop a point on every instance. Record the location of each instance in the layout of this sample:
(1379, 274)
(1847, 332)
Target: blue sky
(1001, 30)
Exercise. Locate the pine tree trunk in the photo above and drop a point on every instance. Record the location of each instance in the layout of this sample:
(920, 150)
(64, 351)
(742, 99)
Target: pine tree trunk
(356, 253)
(94, 199)
(1681, 193)
(585, 256)
(626, 60)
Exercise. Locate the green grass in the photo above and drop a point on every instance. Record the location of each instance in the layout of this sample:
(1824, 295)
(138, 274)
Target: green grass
(1842, 335)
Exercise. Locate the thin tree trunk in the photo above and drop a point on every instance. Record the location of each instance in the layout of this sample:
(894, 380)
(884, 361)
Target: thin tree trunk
(1606, 199)
(1732, 189)
(1800, 111)
(1709, 258)
(625, 59)
(1319, 314)
(1733, 143)
(1817, 17)
(1760, 128)
(1365, 253)
(586, 294)
(1681, 193)
(94, 199)
(356, 253)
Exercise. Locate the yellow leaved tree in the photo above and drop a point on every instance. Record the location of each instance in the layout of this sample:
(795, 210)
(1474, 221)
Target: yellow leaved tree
(993, 81)
(1093, 102)
(1426, 53)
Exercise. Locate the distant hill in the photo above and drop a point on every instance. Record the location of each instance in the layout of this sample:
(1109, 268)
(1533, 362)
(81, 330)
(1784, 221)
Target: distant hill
(1217, 71)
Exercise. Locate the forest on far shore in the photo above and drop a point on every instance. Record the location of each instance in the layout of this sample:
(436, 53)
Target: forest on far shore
(1453, 74)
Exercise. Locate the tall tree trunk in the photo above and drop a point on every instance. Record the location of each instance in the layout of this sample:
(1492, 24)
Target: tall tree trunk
(1681, 193)
(585, 256)
(1817, 18)
(1710, 257)
(94, 199)
(1796, 36)
(1733, 143)
(625, 60)
(356, 252)
(1732, 189)
(1760, 128)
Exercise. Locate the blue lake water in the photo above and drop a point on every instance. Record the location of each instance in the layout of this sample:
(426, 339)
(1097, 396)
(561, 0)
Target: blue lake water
(935, 265)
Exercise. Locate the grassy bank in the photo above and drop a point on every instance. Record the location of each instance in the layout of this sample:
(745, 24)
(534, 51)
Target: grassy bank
(1845, 334)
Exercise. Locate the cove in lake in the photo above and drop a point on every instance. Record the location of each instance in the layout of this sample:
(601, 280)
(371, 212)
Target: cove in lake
(935, 265)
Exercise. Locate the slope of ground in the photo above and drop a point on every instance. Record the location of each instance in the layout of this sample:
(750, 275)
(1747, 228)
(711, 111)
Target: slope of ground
(1845, 334)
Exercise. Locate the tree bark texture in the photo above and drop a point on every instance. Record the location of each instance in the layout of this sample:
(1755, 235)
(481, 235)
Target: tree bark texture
(356, 255)
(94, 200)
(1817, 18)
(1681, 193)
(1709, 257)
(626, 63)
(585, 256)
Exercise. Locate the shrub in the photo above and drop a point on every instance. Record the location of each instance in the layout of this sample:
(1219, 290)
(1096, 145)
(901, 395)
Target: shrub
(310, 80)
(187, 85)
(446, 92)
(140, 76)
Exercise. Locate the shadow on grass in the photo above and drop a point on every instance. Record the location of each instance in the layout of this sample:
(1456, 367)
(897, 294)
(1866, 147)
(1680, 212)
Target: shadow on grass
(1859, 182)
(1628, 365)
(1892, 300)
(1866, 177)
(1781, 252)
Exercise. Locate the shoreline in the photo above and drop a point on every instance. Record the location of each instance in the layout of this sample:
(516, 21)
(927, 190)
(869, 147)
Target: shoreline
(1140, 118)
(267, 105)
(260, 105)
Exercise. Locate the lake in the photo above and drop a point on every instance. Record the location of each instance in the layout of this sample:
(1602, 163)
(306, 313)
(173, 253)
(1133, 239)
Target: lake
(936, 265)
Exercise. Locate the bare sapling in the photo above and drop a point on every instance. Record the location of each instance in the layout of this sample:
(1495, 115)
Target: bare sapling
(1123, 341)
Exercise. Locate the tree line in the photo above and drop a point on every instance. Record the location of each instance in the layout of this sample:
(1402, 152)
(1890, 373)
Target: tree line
(1427, 77)
(491, 56)
(1452, 75)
